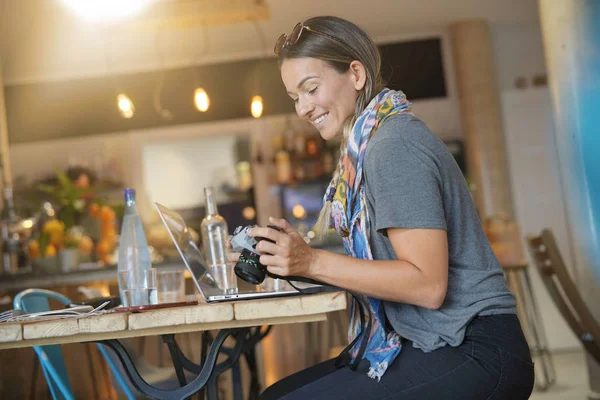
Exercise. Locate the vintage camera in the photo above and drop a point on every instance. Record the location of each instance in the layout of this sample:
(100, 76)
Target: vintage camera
(248, 266)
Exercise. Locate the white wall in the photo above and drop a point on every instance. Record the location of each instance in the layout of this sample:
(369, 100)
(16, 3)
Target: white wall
(519, 52)
(537, 192)
(175, 172)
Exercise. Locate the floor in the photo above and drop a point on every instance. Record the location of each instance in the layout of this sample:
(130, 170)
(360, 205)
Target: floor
(571, 378)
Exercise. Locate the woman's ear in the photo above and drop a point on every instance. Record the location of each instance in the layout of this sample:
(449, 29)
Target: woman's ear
(359, 74)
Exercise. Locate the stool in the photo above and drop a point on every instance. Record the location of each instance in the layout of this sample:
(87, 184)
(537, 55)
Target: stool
(519, 283)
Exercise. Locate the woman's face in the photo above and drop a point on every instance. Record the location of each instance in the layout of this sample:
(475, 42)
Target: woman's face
(323, 96)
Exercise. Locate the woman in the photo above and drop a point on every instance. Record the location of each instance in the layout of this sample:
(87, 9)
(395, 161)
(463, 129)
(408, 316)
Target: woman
(443, 322)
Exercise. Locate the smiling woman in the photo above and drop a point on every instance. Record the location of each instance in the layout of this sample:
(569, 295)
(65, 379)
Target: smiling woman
(105, 10)
(433, 316)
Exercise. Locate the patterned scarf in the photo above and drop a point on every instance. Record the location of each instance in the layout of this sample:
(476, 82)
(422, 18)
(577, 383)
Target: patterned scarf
(350, 218)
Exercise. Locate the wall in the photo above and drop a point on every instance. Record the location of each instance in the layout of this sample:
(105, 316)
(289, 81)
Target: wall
(537, 192)
(519, 52)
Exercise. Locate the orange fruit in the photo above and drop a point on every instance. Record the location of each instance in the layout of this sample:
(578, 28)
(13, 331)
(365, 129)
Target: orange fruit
(86, 245)
(50, 251)
(34, 249)
(106, 214)
(94, 210)
(106, 259)
(107, 227)
(103, 247)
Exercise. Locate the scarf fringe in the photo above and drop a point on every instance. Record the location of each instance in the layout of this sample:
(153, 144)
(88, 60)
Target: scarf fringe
(378, 371)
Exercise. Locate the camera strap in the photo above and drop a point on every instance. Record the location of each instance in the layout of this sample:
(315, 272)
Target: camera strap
(345, 357)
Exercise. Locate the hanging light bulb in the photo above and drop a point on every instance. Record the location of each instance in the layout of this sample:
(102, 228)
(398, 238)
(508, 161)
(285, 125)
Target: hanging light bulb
(201, 100)
(125, 105)
(256, 108)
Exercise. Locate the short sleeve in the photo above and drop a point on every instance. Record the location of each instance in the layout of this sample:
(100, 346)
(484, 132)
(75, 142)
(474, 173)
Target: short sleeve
(403, 185)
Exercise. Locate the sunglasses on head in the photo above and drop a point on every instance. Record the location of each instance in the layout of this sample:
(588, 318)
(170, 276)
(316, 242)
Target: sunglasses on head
(291, 39)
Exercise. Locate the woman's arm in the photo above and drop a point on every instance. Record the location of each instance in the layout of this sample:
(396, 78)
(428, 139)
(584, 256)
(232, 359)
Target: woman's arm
(419, 276)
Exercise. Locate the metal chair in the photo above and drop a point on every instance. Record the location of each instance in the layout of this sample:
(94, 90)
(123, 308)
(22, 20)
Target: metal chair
(51, 357)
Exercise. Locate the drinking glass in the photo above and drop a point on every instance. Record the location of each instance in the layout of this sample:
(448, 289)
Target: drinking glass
(171, 286)
(138, 287)
(225, 277)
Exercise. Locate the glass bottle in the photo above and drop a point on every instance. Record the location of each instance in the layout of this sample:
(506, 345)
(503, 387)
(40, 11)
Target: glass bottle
(134, 255)
(213, 230)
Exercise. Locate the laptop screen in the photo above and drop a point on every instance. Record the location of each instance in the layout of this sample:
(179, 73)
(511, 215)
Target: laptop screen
(186, 247)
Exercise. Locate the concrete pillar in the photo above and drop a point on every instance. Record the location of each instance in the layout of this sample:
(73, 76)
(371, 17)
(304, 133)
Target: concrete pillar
(473, 54)
(571, 36)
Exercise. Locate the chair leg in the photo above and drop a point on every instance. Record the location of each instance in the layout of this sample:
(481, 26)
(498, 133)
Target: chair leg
(91, 367)
(537, 332)
(34, 374)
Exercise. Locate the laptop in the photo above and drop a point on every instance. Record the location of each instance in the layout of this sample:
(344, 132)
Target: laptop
(198, 268)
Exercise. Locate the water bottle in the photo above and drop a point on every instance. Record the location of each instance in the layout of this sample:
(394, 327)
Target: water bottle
(214, 233)
(134, 258)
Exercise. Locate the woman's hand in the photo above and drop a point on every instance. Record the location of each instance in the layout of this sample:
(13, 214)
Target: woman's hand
(289, 255)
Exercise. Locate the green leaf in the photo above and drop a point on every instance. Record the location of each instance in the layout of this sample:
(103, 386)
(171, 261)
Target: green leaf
(64, 181)
(44, 242)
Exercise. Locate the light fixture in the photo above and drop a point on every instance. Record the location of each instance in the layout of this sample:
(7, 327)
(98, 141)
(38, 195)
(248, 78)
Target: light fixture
(249, 213)
(125, 105)
(256, 108)
(298, 211)
(201, 99)
(106, 10)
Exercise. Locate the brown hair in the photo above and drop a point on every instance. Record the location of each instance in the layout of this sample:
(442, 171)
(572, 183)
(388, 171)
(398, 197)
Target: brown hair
(352, 43)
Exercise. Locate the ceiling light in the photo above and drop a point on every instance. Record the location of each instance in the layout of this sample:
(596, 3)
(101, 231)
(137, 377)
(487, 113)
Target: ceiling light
(125, 105)
(256, 108)
(201, 100)
(106, 10)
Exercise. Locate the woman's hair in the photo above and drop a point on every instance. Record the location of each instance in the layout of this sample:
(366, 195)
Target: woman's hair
(351, 43)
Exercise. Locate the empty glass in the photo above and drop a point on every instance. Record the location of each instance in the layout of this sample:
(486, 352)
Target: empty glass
(139, 287)
(225, 277)
(171, 286)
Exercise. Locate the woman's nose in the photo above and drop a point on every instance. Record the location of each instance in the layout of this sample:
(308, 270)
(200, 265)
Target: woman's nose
(304, 108)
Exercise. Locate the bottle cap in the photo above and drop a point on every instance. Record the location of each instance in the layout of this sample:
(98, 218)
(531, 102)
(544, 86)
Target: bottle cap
(129, 194)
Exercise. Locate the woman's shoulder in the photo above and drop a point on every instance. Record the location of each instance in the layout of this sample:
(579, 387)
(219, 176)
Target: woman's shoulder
(402, 130)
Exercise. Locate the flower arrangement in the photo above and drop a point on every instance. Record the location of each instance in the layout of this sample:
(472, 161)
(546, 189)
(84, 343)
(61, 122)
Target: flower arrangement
(81, 225)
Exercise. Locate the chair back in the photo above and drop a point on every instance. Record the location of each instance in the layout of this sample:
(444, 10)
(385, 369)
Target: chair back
(51, 357)
(563, 291)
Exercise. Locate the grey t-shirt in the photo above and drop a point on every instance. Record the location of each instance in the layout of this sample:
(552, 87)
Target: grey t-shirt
(412, 181)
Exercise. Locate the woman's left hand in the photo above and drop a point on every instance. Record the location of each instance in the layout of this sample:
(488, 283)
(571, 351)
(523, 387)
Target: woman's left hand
(289, 255)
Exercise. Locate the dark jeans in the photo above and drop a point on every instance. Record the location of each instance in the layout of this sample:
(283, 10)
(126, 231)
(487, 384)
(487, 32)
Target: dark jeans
(493, 362)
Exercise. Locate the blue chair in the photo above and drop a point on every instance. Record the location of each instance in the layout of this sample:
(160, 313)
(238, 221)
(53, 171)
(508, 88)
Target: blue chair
(51, 357)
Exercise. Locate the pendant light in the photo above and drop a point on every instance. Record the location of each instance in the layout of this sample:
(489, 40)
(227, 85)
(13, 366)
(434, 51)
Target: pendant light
(256, 107)
(125, 106)
(201, 99)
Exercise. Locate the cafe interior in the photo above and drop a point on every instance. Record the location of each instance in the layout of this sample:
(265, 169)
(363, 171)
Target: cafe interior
(182, 101)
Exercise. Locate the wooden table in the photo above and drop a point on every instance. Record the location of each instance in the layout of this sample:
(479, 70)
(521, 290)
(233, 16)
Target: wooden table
(228, 317)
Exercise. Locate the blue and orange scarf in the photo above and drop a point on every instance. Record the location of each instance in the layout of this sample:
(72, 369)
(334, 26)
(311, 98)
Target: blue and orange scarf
(350, 218)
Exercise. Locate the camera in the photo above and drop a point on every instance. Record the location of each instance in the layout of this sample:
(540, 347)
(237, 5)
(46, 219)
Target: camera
(248, 266)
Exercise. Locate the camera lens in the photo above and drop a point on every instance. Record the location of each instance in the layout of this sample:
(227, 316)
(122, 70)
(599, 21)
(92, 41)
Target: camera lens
(249, 268)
